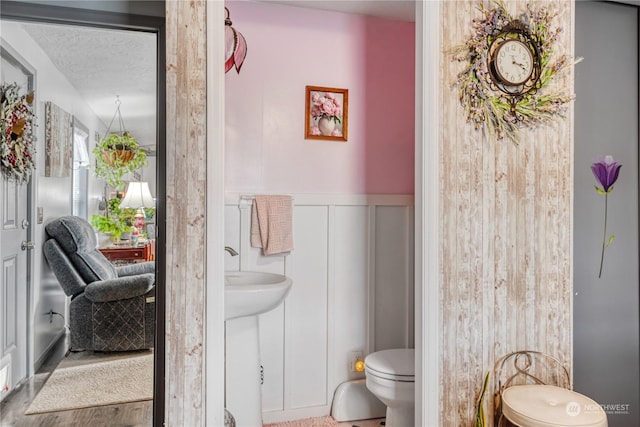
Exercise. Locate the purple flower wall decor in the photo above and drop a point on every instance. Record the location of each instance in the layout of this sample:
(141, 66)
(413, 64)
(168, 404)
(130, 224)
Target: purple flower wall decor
(606, 171)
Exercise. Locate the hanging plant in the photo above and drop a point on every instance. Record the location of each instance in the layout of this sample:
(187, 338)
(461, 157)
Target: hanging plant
(117, 155)
(505, 112)
(17, 150)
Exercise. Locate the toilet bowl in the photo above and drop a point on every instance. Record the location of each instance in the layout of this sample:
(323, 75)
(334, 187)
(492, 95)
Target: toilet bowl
(390, 376)
(550, 406)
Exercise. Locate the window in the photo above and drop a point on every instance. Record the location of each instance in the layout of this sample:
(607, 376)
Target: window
(80, 181)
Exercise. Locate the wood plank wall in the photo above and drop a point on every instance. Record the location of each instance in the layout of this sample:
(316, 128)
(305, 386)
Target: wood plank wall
(506, 231)
(186, 185)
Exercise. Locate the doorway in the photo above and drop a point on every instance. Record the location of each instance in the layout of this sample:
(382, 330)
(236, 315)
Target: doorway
(132, 17)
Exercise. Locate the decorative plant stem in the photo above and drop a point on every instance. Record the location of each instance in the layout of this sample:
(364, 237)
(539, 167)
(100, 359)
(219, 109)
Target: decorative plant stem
(604, 235)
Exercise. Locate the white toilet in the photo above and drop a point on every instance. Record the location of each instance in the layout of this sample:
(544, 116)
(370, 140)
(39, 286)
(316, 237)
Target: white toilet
(390, 376)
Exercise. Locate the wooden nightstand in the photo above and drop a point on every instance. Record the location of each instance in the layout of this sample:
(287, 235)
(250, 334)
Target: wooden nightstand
(139, 253)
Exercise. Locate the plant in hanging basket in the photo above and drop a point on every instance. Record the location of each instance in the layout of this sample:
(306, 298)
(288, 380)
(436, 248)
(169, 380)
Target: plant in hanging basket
(112, 158)
(117, 155)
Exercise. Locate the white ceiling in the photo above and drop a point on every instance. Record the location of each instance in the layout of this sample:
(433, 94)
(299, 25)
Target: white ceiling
(105, 64)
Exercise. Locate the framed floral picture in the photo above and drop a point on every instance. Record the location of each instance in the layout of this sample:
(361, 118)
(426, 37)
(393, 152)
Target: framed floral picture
(326, 113)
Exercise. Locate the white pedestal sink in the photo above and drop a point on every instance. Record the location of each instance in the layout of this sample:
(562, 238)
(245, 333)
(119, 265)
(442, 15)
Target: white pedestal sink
(247, 294)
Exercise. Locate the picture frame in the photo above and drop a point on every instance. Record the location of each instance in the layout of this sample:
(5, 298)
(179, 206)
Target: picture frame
(326, 113)
(58, 137)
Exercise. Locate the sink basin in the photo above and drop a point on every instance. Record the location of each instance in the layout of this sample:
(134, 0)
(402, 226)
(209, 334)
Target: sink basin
(249, 293)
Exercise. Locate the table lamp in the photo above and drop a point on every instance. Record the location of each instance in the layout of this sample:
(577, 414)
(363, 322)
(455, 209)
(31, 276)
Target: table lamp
(138, 196)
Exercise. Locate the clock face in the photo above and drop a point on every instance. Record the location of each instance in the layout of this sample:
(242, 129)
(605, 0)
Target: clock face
(513, 62)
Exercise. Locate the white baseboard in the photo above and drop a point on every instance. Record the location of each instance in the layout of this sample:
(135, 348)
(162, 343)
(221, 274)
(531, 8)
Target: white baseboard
(50, 348)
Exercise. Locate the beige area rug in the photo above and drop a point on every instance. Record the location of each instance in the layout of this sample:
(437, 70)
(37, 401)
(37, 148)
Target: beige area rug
(307, 422)
(96, 381)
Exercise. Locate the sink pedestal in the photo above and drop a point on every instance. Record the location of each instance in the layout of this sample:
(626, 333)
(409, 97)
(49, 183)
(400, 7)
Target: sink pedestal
(246, 295)
(243, 388)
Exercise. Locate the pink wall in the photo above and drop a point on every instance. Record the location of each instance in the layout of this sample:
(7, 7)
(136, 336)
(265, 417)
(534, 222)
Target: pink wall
(291, 47)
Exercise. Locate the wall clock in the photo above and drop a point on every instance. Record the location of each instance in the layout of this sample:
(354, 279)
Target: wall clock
(510, 63)
(514, 62)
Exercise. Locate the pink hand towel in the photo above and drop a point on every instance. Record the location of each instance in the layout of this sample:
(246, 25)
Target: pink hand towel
(271, 225)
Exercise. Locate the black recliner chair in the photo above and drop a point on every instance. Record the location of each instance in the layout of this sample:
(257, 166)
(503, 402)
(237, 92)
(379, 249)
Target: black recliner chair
(112, 308)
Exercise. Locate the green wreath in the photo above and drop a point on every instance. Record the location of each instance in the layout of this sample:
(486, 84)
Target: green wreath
(17, 151)
(491, 109)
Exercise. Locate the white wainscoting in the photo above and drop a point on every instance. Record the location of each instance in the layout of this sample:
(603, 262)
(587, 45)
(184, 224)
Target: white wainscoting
(352, 271)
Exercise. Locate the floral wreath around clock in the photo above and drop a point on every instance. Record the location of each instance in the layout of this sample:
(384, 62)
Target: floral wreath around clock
(17, 151)
(486, 105)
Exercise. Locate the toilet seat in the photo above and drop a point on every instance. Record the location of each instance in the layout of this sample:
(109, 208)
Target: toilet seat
(550, 406)
(396, 364)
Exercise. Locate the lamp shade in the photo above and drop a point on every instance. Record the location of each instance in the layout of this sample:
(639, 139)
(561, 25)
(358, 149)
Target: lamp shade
(235, 46)
(137, 196)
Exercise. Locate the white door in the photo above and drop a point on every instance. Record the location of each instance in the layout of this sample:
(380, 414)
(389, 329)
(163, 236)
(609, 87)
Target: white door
(15, 256)
(13, 285)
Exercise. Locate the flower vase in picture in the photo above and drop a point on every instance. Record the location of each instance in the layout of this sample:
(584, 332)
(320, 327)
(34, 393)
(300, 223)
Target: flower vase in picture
(326, 125)
(327, 108)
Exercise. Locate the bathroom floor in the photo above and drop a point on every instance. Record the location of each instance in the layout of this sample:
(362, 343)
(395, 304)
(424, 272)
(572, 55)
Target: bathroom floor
(364, 423)
(329, 422)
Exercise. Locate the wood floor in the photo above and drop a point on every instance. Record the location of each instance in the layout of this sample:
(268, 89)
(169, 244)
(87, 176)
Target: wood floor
(13, 407)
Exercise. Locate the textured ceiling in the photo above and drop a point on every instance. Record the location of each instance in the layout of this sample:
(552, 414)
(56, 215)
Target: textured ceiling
(103, 64)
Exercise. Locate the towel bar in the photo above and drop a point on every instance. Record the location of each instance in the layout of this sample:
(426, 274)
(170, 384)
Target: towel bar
(252, 197)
